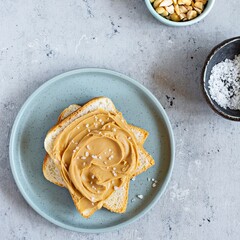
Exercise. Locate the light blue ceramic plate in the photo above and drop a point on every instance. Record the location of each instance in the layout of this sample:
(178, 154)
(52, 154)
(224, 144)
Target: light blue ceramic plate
(40, 113)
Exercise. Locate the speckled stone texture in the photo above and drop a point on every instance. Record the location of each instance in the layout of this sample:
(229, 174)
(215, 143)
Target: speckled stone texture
(41, 39)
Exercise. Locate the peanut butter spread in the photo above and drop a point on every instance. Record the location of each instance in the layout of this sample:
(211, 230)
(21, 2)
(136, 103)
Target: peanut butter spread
(97, 154)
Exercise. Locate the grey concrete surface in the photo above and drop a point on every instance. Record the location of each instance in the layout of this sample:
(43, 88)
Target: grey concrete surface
(40, 39)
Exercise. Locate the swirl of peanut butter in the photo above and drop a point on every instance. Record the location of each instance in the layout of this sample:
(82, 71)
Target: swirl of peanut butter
(97, 154)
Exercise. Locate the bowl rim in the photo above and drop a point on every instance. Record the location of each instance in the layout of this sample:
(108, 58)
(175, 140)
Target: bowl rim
(203, 79)
(180, 24)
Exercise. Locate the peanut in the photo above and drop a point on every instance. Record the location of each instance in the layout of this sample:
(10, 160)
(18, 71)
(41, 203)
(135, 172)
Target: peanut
(177, 9)
(174, 17)
(191, 14)
(166, 3)
(198, 5)
(157, 3)
(170, 9)
(160, 10)
(185, 2)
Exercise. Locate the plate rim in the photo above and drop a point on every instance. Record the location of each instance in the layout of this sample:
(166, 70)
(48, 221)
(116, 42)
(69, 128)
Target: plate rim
(127, 79)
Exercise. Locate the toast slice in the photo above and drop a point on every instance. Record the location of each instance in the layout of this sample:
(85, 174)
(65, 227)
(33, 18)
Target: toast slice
(52, 173)
(50, 170)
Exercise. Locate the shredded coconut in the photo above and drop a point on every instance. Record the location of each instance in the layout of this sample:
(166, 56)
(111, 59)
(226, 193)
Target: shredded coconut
(154, 185)
(140, 196)
(224, 83)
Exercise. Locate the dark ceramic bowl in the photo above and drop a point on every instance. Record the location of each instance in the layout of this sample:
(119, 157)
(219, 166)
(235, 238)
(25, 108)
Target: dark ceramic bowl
(225, 50)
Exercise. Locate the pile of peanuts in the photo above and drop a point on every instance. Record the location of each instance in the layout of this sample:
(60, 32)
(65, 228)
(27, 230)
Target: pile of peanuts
(179, 10)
